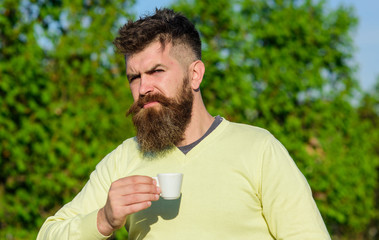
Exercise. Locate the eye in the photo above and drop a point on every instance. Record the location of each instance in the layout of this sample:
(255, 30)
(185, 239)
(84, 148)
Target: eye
(158, 70)
(132, 78)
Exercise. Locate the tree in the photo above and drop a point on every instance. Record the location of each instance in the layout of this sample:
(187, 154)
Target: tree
(63, 99)
(282, 65)
(369, 114)
(286, 66)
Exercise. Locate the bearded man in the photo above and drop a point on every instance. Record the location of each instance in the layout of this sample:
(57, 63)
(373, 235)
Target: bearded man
(239, 181)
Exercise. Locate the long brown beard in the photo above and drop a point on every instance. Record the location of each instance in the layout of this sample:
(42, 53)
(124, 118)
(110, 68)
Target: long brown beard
(160, 128)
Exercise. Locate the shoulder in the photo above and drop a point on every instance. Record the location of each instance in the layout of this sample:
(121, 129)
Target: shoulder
(127, 148)
(248, 132)
(245, 138)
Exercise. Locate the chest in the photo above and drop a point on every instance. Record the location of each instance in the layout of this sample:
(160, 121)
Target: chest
(218, 192)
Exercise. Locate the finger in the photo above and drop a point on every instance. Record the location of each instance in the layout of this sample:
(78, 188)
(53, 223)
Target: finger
(136, 179)
(140, 188)
(133, 189)
(134, 184)
(119, 208)
(138, 198)
(131, 199)
(137, 207)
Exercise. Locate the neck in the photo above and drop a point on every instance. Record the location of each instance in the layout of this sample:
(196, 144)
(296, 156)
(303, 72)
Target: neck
(200, 122)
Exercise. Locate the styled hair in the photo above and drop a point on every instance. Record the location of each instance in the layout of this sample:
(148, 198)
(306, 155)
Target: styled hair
(164, 26)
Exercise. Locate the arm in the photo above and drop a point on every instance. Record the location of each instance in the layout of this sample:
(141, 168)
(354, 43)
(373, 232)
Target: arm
(102, 205)
(288, 206)
(77, 219)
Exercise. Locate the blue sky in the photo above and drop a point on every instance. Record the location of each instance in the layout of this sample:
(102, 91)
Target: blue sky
(366, 36)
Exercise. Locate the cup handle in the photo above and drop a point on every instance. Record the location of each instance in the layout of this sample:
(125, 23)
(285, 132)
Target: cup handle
(156, 179)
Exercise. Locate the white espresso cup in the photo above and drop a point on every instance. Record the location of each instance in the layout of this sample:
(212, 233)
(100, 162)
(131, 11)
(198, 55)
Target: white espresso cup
(170, 185)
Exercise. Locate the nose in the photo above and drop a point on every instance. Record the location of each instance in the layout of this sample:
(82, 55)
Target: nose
(146, 85)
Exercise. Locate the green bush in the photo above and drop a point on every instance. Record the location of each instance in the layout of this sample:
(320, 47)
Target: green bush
(282, 65)
(63, 105)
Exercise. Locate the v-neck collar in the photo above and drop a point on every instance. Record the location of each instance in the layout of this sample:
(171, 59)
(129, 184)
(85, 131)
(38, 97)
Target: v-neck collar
(216, 121)
(203, 143)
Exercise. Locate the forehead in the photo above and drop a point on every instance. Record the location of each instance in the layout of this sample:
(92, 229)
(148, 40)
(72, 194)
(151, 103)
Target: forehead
(154, 53)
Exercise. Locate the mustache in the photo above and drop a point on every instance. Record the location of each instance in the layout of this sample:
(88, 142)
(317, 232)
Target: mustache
(143, 100)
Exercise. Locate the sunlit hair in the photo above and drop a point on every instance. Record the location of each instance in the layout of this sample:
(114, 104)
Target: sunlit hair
(164, 26)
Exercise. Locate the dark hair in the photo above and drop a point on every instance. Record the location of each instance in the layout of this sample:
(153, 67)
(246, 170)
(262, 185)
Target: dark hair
(165, 26)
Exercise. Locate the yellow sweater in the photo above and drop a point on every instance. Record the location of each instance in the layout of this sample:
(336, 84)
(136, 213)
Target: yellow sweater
(239, 183)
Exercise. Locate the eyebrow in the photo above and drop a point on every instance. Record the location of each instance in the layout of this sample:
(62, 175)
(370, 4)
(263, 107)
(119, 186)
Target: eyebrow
(149, 71)
(155, 67)
(132, 76)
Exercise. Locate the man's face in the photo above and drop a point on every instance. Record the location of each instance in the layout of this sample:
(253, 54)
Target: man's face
(162, 98)
(154, 70)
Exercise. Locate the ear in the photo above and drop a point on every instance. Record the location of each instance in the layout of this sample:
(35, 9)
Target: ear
(197, 70)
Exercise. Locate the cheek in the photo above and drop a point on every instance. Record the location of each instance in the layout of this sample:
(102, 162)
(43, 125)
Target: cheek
(174, 85)
(134, 92)
(135, 98)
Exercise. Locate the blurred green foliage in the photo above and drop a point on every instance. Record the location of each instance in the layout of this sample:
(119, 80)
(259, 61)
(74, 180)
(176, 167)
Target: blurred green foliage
(64, 96)
(284, 65)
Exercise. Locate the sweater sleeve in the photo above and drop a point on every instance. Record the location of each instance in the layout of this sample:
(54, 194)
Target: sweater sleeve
(78, 218)
(288, 205)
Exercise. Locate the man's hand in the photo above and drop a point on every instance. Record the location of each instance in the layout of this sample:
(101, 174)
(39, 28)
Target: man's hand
(126, 196)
